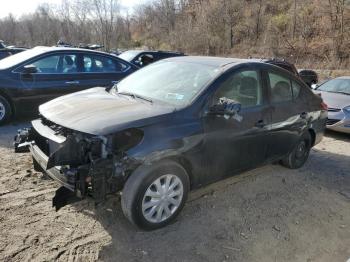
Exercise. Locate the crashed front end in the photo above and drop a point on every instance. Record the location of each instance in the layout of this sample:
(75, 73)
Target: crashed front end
(84, 164)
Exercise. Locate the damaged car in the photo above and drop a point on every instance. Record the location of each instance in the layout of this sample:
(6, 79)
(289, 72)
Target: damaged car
(171, 127)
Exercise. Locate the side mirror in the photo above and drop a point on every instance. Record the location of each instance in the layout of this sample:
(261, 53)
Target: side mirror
(226, 107)
(29, 69)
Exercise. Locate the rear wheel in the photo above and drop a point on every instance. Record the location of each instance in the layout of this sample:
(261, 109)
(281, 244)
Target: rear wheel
(5, 110)
(153, 196)
(300, 153)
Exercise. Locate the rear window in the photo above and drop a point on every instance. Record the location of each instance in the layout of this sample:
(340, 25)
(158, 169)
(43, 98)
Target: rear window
(296, 89)
(281, 90)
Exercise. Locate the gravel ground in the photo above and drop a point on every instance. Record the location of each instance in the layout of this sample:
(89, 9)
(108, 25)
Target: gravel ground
(268, 214)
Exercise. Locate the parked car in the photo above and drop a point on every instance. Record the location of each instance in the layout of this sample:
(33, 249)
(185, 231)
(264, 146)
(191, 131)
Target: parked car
(176, 125)
(336, 94)
(6, 51)
(35, 76)
(142, 58)
(61, 43)
(310, 77)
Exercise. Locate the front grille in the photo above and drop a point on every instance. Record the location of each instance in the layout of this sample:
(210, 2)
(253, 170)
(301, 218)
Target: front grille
(333, 109)
(42, 142)
(332, 121)
(59, 130)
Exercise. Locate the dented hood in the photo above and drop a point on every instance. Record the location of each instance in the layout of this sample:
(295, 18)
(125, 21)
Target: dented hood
(95, 111)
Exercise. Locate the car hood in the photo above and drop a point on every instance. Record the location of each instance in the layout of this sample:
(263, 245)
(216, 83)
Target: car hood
(96, 111)
(335, 100)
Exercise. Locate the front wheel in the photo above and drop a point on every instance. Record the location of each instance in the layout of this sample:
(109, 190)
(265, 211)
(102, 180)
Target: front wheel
(300, 153)
(153, 196)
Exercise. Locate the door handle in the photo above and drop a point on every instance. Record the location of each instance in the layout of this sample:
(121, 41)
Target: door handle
(303, 115)
(260, 124)
(72, 82)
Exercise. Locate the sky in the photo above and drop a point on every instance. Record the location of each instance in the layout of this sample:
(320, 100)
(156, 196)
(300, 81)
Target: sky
(19, 7)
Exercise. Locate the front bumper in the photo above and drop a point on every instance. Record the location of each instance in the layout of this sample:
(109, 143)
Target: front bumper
(339, 122)
(79, 162)
(55, 173)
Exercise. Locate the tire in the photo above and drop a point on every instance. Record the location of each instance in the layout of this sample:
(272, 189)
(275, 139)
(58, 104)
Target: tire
(5, 110)
(149, 212)
(300, 153)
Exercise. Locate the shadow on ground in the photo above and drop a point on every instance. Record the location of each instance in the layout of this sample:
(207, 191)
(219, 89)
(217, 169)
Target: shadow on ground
(268, 214)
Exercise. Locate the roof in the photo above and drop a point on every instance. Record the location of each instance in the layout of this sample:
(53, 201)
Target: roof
(210, 60)
(59, 48)
(152, 51)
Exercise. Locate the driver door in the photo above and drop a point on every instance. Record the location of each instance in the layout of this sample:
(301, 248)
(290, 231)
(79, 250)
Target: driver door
(233, 144)
(56, 75)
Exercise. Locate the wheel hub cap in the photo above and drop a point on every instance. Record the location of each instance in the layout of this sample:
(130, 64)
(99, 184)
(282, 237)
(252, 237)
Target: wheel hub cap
(162, 198)
(2, 111)
(301, 150)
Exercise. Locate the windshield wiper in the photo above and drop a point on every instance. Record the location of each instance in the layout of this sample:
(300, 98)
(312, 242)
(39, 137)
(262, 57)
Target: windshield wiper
(339, 92)
(126, 94)
(344, 93)
(136, 96)
(144, 98)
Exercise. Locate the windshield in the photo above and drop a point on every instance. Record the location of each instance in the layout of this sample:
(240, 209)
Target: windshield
(176, 83)
(13, 60)
(336, 86)
(129, 55)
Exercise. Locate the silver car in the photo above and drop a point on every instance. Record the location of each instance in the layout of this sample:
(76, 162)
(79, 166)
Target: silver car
(336, 94)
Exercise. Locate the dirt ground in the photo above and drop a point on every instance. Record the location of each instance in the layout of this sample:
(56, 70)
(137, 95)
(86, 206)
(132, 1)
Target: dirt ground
(268, 214)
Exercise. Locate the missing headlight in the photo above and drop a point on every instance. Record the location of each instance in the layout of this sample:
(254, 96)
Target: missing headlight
(124, 140)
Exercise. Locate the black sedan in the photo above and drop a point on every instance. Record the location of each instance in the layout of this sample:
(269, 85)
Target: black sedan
(6, 51)
(173, 126)
(142, 58)
(35, 76)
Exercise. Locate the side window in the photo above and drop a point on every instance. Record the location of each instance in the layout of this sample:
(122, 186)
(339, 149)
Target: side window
(69, 64)
(48, 64)
(243, 87)
(281, 90)
(98, 64)
(57, 64)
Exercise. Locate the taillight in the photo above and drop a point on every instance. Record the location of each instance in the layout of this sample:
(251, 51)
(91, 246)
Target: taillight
(324, 106)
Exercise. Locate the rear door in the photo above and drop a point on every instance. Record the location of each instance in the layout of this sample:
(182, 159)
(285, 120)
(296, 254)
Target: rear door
(100, 70)
(289, 113)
